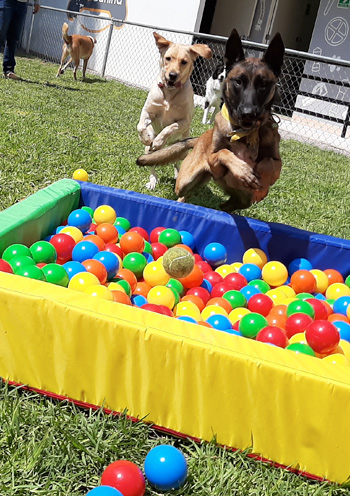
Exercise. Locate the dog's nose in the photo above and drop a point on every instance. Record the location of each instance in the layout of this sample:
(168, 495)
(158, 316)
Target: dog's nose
(172, 76)
(248, 115)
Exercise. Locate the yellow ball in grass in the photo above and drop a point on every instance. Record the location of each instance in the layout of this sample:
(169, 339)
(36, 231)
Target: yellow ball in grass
(178, 262)
(81, 175)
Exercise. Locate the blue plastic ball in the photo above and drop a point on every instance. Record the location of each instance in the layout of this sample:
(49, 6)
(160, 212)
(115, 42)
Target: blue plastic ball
(299, 264)
(148, 257)
(207, 285)
(104, 491)
(249, 291)
(73, 268)
(187, 318)
(120, 230)
(110, 260)
(138, 300)
(250, 271)
(81, 219)
(165, 467)
(341, 304)
(187, 239)
(84, 250)
(220, 322)
(215, 254)
(343, 328)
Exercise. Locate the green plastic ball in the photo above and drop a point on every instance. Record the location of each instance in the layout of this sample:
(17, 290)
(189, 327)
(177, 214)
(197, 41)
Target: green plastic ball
(43, 252)
(301, 348)
(135, 262)
(235, 298)
(260, 284)
(178, 262)
(15, 250)
(122, 222)
(300, 306)
(170, 237)
(251, 323)
(32, 272)
(55, 274)
(20, 261)
(176, 285)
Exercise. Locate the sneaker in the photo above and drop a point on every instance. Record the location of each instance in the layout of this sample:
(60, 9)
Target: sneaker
(11, 75)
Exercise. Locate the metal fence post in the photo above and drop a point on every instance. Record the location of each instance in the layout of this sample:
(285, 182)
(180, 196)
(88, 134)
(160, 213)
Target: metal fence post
(30, 33)
(104, 63)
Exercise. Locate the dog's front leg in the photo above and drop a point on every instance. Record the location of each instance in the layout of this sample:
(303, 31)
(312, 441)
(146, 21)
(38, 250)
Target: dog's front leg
(162, 138)
(145, 129)
(269, 171)
(225, 161)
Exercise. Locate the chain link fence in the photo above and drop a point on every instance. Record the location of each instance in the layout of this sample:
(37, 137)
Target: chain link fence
(314, 104)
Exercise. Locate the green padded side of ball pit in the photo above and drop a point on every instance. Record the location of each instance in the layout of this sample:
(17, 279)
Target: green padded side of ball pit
(38, 215)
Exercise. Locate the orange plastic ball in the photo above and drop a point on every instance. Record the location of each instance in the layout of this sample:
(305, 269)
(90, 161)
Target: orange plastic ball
(142, 288)
(185, 247)
(221, 302)
(303, 281)
(97, 268)
(120, 297)
(337, 316)
(95, 239)
(131, 242)
(108, 232)
(277, 320)
(129, 276)
(279, 310)
(194, 278)
(333, 276)
(195, 299)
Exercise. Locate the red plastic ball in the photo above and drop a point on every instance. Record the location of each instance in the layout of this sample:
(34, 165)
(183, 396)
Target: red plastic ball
(158, 250)
(303, 281)
(297, 323)
(213, 277)
(273, 335)
(321, 312)
(157, 309)
(124, 476)
(5, 267)
(220, 289)
(115, 249)
(238, 280)
(201, 292)
(154, 235)
(260, 303)
(322, 336)
(141, 231)
(64, 244)
(204, 266)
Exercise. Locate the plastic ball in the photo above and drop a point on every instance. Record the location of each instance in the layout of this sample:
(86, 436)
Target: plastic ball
(220, 289)
(80, 175)
(213, 277)
(31, 271)
(237, 313)
(76, 233)
(81, 219)
(110, 261)
(178, 262)
(165, 468)
(122, 222)
(298, 338)
(108, 232)
(20, 261)
(73, 268)
(276, 320)
(104, 491)
(260, 284)
(297, 323)
(218, 301)
(161, 295)
(193, 279)
(201, 292)
(155, 275)
(274, 273)
(255, 256)
(43, 252)
(303, 281)
(158, 250)
(84, 250)
(235, 298)
(169, 237)
(251, 324)
(96, 267)
(322, 336)
(81, 281)
(336, 290)
(250, 271)
(299, 264)
(132, 242)
(64, 245)
(5, 267)
(136, 263)
(333, 276)
(154, 234)
(138, 300)
(210, 310)
(219, 322)
(121, 297)
(187, 239)
(101, 245)
(215, 254)
(56, 274)
(272, 335)
(104, 213)
(302, 348)
(125, 476)
(249, 291)
(14, 250)
(99, 291)
(187, 308)
(176, 285)
(322, 281)
(343, 329)
(300, 306)
(337, 359)
(237, 281)
(260, 303)
(319, 308)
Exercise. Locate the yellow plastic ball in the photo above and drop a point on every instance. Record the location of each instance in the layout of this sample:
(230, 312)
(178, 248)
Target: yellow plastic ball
(83, 280)
(255, 256)
(345, 346)
(274, 273)
(74, 232)
(99, 291)
(189, 309)
(80, 175)
(114, 286)
(277, 295)
(236, 266)
(237, 313)
(298, 338)
(336, 290)
(322, 281)
(337, 359)
(155, 274)
(212, 310)
(104, 214)
(225, 269)
(288, 291)
(161, 295)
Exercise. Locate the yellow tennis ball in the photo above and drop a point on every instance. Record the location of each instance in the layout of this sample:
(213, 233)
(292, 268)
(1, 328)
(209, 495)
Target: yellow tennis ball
(178, 262)
(81, 175)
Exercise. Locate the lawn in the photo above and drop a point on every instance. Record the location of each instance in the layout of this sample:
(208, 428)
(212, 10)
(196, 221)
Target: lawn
(50, 127)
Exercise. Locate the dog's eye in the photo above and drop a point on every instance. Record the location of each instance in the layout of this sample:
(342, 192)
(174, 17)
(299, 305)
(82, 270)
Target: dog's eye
(183, 62)
(168, 59)
(237, 83)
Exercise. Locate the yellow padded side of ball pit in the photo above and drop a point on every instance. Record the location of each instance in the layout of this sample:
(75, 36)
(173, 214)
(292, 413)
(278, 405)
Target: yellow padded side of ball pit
(38, 215)
(288, 408)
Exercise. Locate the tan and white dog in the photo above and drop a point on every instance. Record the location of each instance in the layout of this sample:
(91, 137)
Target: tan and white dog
(76, 47)
(167, 113)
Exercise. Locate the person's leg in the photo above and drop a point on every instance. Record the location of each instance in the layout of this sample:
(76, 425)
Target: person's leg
(19, 11)
(5, 19)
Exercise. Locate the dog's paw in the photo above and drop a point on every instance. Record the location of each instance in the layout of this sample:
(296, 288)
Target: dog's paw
(145, 137)
(152, 183)
(157, 144)
(249, 179)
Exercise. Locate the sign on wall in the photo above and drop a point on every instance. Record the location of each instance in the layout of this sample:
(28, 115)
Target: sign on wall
(116, 9)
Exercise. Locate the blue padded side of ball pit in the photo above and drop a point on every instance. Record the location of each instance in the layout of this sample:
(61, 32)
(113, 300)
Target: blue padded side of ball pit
(238, 233)
(38, 215)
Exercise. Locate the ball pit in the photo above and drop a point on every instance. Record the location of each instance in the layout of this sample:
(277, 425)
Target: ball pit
(231, 355)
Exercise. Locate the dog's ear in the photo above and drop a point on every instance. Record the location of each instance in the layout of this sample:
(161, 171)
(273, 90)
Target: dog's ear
(274, 54)
(234, 50)
(199, 50)
(161, 42)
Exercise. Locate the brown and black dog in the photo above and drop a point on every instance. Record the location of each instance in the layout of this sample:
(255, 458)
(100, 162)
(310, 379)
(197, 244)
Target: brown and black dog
(241, 152)
(76, 47)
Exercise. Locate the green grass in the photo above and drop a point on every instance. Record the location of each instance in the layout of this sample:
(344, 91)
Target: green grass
(50, 127)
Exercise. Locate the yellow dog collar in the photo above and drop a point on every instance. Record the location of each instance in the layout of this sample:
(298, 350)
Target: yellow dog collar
(236, 133)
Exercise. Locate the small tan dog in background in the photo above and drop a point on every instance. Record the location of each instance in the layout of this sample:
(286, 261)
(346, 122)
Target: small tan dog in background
(167, 113)
(75, 47)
